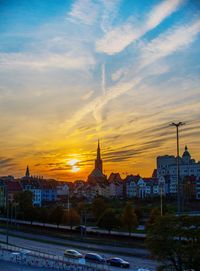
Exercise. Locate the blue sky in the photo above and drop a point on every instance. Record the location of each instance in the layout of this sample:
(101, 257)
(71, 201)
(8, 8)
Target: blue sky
(75, 71)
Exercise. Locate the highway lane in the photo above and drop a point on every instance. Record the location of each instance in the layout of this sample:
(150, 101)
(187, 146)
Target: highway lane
(58, 250)
(115, 248)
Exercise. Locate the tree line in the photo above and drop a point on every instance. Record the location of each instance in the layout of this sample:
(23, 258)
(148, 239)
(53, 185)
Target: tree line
(99, 213)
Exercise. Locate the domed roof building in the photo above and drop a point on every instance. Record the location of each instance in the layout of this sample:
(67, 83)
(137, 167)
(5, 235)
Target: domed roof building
(167, 166)
(186, 157)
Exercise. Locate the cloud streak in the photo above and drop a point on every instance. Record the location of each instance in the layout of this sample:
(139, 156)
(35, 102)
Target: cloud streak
(45, 61)
(85, 11)
(117, 39)
(162, 46)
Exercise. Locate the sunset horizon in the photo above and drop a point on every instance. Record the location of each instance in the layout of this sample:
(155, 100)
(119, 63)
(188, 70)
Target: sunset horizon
(100, 135)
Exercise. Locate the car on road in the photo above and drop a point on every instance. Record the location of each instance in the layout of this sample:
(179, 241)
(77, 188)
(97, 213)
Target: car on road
(94, 257)
(143, 269)
(73, 253)
(118, 262)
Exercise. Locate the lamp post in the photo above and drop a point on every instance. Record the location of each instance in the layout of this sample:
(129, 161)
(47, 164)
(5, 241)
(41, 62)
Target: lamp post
(179, 184)
(7, 213)
(68, 199)
(161, 184)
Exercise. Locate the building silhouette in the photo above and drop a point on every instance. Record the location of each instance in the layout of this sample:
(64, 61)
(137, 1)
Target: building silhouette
(27, 174)
(97, 176)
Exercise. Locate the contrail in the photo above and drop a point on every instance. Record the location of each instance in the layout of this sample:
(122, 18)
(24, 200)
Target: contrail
(103, 81)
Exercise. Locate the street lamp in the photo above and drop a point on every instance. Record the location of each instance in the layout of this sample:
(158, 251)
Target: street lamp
(161, 183)
(179, 184)
(68, 199)
(7, 212)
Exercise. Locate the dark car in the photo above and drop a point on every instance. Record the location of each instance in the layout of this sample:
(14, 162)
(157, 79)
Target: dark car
(118, 262)
(94, 257)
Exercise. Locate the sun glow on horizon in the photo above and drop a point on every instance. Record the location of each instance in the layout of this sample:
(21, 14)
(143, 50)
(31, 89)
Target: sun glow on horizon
(73, 163)
(75, 169)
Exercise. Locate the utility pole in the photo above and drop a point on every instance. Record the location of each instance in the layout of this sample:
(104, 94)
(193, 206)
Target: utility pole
(68, 200)
(161, 183)
(179, 182)
(161, 201)
(7, 213)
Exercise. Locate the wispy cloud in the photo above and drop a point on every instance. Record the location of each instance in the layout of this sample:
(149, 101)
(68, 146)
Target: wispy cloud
(84, 11)
(118, 38)
(162, 46)
(162, 11)
(169, 42)
(87, 95)
(45, 61)
(103, 80)
(6, 163)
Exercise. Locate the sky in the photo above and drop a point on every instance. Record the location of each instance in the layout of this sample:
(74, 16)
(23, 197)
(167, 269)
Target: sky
(75, 71)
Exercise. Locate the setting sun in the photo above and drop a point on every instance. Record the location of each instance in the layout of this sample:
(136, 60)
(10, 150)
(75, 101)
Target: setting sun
(75, 169)
(72, 163)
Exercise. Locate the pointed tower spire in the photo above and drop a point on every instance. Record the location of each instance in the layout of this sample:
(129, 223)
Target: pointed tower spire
(98, 151)
(98, 161)
(27, 172)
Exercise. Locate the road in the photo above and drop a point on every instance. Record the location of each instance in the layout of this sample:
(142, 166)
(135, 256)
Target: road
(58, 249)
(115, 248)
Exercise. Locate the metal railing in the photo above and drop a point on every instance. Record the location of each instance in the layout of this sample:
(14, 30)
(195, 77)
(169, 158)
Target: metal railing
(37, 258)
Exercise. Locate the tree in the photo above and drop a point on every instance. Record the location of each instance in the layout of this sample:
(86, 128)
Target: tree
(43, 215)
(71, 218)
(30, 213)
(154, 215)
(82, 209)
(108, 220)
(129, 218)
(98, 207)
(24, 201)
(139, 212)
(174, 241)
(56, 215)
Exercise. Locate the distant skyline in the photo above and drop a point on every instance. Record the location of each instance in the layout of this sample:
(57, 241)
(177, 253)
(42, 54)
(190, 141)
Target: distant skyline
(73, 72)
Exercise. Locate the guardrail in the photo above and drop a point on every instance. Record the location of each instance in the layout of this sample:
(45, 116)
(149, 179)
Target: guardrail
(37, 258)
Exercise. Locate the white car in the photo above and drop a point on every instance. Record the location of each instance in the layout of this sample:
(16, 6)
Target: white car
(72, 253)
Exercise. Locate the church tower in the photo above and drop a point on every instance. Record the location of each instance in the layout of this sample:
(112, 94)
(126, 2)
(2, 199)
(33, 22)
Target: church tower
(97, 176)
(27, 172)
(98, 161)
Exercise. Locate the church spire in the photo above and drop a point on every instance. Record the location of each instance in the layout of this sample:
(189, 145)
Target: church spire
(98, 151)
(98, 161)
(27, 172)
